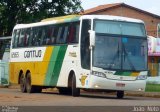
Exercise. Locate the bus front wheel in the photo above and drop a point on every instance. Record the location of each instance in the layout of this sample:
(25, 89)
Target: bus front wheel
(120, 94)
(75, 91)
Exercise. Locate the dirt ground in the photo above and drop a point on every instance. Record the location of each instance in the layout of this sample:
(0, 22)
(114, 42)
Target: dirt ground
(14, 97)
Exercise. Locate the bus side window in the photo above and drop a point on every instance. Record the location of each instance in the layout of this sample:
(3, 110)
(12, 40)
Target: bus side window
(39, 36)
(55, 34)
(43, 36)
(62, 34)
(65, 35)
(60, 31)
(35, 36)
(48, 37)
(14, 38)
(26, 38)
(73, 33)
(53, 37)
(30, 40)
(38, 33)
(21, 38)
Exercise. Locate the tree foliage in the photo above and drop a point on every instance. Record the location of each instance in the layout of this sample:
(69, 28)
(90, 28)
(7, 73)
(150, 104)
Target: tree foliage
(25, 11)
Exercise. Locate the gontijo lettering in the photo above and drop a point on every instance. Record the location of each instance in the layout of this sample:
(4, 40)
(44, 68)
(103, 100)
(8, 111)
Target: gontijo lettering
(32, 54)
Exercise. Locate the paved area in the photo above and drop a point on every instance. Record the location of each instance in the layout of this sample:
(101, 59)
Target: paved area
(14, 97)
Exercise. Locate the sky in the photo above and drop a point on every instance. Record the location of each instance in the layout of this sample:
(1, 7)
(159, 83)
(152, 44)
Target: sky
(152, 6)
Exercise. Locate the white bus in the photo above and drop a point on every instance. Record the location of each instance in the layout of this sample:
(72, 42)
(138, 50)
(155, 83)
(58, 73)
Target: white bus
(80, 52)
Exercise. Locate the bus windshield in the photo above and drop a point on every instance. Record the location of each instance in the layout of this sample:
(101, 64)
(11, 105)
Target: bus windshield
(120, 48)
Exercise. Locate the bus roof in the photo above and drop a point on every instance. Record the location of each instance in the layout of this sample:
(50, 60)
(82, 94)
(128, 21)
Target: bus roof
(109, 17)
(71, 18)
(48, 21)
(62, 18)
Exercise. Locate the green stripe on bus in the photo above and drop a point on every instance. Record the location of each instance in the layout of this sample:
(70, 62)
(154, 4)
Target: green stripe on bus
(55, 65)
(123, 73)
(51, 65)
(58, 65)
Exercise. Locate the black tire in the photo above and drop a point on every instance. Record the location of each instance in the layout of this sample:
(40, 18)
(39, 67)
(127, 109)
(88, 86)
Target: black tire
(64, 91)
(22, 84)
(120, 94)
(29, 87)
(75, 91)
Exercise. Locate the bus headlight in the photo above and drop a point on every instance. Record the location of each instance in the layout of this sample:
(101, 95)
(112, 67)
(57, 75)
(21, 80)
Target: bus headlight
(141, 77)
(99, 74)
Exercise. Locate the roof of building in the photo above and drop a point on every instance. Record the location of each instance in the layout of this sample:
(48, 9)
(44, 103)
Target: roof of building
(109, 6)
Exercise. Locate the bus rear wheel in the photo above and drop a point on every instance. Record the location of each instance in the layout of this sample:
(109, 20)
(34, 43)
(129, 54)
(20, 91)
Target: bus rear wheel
(30, 88)
(22, 84)
(75, 91)
(120, 94)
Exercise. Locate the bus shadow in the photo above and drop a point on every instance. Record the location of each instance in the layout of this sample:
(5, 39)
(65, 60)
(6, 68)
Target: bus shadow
(104, 97)
(93, 96)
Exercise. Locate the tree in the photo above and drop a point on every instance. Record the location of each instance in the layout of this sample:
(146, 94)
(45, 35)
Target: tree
(26, 11)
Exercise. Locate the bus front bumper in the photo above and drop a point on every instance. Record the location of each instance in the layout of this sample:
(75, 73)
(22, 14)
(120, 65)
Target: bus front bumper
(109, 84)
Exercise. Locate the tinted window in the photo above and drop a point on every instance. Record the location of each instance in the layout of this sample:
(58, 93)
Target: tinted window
(85, 52)
(43, 38)
(73, 33)
(54, 34)
(46, 35)
(26, 37)
(49, 40)
(62, 34)
(21, 38)
(16, 38)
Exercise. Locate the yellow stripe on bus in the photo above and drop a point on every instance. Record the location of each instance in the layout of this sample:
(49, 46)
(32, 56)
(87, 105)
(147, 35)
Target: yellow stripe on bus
(135, 74)
(43, 66)
(37, 69)
(45, 62)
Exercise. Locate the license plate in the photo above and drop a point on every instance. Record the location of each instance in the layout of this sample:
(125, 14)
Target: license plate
(120, 84)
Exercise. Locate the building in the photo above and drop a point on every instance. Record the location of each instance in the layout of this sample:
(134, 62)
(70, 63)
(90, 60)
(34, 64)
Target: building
(121, 9)
(154, 55)
(151, 21)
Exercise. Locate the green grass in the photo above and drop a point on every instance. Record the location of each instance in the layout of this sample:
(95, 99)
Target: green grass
(152, 88)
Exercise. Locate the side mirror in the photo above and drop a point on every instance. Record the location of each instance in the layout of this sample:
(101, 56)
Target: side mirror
(92, 37)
